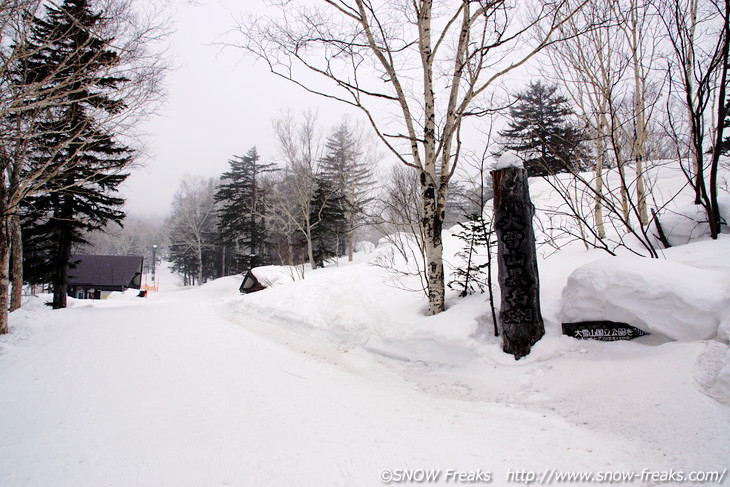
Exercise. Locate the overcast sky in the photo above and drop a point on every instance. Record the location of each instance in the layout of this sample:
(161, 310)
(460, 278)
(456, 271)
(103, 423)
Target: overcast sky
(219, 104)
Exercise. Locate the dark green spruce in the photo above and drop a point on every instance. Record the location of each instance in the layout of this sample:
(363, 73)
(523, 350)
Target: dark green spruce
(329, 225)
(542, 133)
(351, 177)
(88, 163)
(241, 212)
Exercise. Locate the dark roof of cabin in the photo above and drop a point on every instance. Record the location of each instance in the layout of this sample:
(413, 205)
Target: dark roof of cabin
(104, 270)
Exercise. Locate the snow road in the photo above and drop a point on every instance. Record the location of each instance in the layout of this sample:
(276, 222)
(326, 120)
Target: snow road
(169, 392)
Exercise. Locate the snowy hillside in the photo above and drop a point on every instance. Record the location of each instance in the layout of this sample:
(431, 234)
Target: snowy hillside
(340, 379)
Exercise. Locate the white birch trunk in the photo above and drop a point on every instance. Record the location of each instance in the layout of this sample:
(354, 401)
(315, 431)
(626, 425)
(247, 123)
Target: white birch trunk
(4, 277)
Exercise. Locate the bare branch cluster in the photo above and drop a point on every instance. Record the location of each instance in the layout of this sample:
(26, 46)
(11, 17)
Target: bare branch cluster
(424, 74)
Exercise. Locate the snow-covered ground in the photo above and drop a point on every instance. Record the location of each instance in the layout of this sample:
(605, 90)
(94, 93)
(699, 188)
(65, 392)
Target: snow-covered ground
(339, 379)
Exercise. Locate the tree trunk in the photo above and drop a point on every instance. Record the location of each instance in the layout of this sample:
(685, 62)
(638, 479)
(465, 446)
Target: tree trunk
(310, 254)
(223, 260)
(641, 193)
(688, 76)
(713, 215)
(290, 248)
(16, 264)
(433, 217)
(579, 220)
(4, 270)
(200, 262)
(519, 315)
(60, 280)
(634, 38)
(433, 208)
(310, 246)
(351, 236)
(598, 208)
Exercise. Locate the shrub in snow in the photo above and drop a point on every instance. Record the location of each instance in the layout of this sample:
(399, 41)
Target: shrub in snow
(657, 296)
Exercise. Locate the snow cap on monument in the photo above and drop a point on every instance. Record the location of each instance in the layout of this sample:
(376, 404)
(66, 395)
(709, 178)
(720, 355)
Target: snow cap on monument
(508, 159)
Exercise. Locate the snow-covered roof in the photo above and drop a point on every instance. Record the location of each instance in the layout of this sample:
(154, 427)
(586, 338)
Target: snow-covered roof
(105, 271)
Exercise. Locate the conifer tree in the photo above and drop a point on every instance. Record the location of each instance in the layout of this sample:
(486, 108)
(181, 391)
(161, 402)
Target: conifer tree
(473, 276)
(350, 176)
(540, 131)
(328, 222)
(241, 212)
(86, 161)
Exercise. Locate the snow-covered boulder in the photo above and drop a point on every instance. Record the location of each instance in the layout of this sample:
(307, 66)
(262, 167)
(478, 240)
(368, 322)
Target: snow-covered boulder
(657, 296)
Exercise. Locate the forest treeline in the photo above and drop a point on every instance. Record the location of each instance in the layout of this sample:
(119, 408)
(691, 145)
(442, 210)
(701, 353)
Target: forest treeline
(616, 86)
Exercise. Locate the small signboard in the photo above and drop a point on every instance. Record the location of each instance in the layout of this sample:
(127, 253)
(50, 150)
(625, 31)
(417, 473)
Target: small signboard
(606, 331)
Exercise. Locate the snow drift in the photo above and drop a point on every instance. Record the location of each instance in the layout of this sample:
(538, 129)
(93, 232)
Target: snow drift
(671, 299)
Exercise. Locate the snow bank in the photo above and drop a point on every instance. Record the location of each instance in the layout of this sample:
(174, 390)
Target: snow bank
(723, 378)
(688, 223)
(659, 296)
(682, 221)
(274, 275)
(128, 294)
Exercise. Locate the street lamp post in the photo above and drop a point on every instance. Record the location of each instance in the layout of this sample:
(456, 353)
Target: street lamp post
(154, 261)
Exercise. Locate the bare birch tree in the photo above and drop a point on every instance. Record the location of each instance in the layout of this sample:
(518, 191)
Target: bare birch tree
(191, 226)
(415, 69)
(398, 217)
(698, 35)
(610, 72)
(290, 204)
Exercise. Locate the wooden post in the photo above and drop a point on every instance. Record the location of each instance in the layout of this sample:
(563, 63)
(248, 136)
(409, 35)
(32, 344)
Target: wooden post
(520, 319)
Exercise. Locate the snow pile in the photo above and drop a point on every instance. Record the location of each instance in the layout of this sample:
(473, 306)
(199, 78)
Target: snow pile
(688, 223)
(274, 275)
(659, 296)
(722, 383)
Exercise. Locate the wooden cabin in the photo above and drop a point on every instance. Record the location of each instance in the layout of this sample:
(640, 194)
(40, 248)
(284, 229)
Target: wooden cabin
(97, 276)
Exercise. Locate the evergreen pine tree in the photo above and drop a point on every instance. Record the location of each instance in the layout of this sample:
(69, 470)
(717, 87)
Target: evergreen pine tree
(540, 131)
(241, 212)
(351, 177)
(329, 225)
(72, 61)
(472, 277)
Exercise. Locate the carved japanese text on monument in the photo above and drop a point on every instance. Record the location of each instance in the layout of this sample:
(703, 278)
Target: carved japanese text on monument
(516, 280)
(519, 315)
